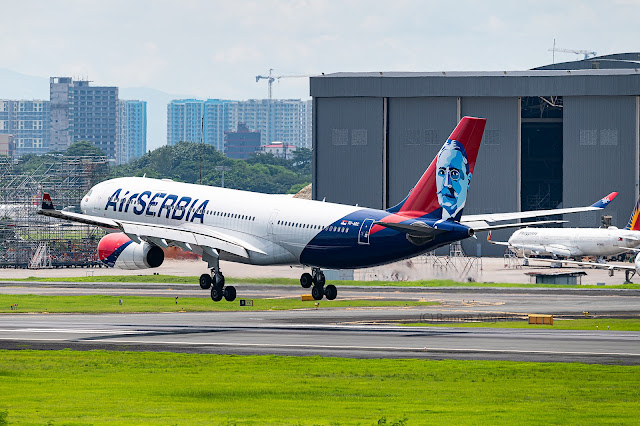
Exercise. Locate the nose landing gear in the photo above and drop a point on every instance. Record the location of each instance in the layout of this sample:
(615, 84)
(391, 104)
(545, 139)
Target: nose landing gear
(317, 279)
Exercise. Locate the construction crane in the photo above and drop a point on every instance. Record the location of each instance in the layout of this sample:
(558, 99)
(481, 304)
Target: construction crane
(271, 78)
(587, 53)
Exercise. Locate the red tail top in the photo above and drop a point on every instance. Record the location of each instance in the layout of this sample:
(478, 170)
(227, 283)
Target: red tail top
(445, 183)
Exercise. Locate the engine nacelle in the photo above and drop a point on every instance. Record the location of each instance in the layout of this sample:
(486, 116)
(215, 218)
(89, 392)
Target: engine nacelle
(117, 250)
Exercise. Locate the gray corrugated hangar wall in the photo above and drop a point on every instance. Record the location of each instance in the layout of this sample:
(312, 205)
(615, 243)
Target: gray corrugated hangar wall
(599, 137)
(375, 136)
(351, 160)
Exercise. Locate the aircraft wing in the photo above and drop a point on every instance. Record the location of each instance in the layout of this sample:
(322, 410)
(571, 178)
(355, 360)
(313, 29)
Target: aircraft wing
(481, 225)
(81, 218)
(498, 217)
(160, 235)
(594, 264)
(164, 236)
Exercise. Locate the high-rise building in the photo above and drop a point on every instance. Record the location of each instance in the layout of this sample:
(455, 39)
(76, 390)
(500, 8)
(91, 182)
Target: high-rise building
(6, 145)
(242, 143)
(186, 119)
(28, 122)
(220, 116)
(80, 111)
(132, 130)
(283, 120)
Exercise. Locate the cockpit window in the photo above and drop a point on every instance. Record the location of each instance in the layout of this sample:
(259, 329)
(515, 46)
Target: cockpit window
(89, 193)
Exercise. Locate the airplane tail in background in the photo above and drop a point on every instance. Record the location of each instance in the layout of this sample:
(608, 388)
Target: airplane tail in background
(634, 223)
(441, 192)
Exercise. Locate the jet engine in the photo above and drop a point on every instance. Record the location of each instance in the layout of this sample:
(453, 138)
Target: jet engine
(117, 250)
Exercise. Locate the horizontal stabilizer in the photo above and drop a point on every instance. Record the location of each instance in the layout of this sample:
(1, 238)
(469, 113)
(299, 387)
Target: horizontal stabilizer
(499, 243)
(499, 217)
(417, 228)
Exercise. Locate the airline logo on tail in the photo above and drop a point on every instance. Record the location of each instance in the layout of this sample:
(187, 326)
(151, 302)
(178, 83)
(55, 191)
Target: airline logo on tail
(633, 224)
(442, 191)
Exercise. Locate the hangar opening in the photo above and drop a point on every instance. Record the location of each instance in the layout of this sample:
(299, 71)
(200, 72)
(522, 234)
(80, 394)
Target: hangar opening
(541, 159)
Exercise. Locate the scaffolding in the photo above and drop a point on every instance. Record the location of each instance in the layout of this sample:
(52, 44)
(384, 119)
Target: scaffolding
(29, 240)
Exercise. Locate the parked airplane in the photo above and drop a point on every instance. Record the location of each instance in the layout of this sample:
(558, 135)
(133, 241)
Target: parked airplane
(576, 242)
(145, 215)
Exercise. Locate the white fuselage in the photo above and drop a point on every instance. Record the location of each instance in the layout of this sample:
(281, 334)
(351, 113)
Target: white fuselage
(279, 225)
(571, 242)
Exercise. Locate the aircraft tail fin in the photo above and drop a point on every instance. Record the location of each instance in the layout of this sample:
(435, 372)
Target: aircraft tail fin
(441, 192)
(47, 204)
(634, 223)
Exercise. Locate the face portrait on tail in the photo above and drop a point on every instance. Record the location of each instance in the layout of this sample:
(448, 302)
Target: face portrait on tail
(452, 178)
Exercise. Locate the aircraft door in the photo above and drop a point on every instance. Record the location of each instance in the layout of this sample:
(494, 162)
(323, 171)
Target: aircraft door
(365, 229)
(271, 224)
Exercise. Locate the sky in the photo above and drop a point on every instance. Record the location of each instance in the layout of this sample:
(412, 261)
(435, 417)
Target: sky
(215, 49)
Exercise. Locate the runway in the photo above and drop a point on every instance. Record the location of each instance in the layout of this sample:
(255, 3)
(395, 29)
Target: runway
(311, 332)
(342, 332)
(475, 300)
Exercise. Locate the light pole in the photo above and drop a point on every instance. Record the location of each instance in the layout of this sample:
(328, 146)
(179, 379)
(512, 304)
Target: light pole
(222, 169)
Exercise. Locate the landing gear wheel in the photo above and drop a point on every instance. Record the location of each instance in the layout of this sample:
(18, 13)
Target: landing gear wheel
(229, 293)
(220, 280)
(205, 281)
(305, 280)
(216, 293)
(319, 279)
(331, 292)
(317, 292)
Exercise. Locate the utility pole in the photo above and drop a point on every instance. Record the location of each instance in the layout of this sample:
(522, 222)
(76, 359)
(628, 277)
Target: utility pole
(222, 169)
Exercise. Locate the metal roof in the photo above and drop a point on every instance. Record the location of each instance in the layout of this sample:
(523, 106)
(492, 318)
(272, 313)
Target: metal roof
(604, 82)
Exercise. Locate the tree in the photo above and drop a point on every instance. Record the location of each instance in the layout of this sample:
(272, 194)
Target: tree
(83, 149)
(183, 161)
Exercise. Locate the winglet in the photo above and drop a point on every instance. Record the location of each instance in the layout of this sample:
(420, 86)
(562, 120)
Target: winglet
(47, 204)
(601, 204)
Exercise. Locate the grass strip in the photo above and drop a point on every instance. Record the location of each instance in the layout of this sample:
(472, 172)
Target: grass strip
(96, 387)
(172, 279)
(109, 304)
(602, 324)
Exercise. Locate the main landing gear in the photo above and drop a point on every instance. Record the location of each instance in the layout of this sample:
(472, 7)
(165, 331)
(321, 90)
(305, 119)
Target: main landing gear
(215, 282)
(317, 280)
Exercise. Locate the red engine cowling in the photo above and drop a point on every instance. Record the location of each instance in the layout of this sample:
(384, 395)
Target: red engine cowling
(117, 250)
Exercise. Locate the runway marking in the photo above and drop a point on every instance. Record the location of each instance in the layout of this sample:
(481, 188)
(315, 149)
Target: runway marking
(375, 348)
(67, 330)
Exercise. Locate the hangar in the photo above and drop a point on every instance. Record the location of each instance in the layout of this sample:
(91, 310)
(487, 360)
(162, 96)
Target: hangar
(562, 135)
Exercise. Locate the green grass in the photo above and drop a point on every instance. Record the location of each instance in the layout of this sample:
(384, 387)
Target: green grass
(171, 279)
(614, 324)
(95, 387)
(105, 304)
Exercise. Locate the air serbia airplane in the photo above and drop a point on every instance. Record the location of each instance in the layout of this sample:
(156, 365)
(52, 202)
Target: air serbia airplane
(145, 215)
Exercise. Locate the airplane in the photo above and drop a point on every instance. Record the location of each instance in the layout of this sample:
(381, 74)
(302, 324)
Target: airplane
(576, 242)
(144, 215)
